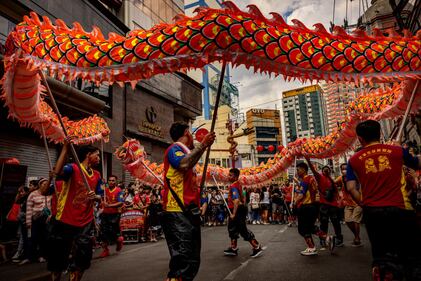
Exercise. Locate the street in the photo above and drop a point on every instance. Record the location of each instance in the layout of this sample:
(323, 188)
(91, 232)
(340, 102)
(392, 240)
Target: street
(281, 260)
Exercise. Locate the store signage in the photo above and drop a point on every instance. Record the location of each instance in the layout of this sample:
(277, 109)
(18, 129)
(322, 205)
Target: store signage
(258, 111)
(147, 126)
(300, 91)
(151, 114)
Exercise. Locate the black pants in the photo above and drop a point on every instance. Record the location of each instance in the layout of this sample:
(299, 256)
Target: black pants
(333, 213)
(237, 226)
(110, 228)
(184, 243)
(65, 239)
(38, 240)
(395, 241)
(307, 216)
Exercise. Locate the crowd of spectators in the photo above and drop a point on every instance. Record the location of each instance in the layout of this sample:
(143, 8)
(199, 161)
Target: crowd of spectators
(266, 205)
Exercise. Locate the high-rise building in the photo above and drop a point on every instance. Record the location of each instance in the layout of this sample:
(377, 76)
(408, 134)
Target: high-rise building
(303, 111)
(336, 97)
(267, 132)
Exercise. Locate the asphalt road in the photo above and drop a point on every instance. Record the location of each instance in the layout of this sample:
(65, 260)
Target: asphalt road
(281, 260)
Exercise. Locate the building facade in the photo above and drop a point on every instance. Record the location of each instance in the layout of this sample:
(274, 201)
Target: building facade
(145, 113)
(267, 132)
(303, 110)
(336, 97)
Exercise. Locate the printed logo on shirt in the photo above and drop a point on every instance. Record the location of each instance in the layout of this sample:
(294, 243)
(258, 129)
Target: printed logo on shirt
(383, 164)
(179, 153)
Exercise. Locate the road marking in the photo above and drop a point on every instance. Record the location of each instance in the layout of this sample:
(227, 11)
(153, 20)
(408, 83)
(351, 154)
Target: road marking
(138, 249)
(234, 273)
(283, 229)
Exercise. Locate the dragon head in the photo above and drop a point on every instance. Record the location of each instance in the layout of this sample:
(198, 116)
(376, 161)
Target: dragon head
(130, 151)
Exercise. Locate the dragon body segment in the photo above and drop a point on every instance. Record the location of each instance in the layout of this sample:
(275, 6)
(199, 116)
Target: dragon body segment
(268, 45)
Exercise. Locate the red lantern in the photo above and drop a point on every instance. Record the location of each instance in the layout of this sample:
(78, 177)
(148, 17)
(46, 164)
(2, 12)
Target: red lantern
(280, 147)
(260, 148)
(271, 148)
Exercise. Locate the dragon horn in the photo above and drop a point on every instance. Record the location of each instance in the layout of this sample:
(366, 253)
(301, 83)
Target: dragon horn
(299, 24)
(277, 18)
(254, 10)
(47, 23)
(318, 27)
(231, 6)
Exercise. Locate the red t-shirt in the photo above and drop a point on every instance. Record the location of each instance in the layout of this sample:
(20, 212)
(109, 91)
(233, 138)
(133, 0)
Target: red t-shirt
(73, 206)
(308, 188)
(112, 197)
(346, 196)
(379, 170)
(184, 183)
(324, 183)
(235, 192)
(287, 192)
(58, 187)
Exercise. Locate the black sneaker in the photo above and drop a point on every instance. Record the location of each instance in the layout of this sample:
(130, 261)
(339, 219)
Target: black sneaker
(323, 244)
(339, 242)
(256, 252)
(231, 252)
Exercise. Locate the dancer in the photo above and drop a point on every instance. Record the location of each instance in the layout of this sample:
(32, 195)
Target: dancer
(181, 217)
(353, 213)
(237, 220)
(110, 217)
(306, 207)
(329, 208)
(389, 218)
(74, 219)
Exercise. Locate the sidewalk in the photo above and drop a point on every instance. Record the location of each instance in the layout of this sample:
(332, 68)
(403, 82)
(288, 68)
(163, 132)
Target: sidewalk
(32, 271)
(38, 271)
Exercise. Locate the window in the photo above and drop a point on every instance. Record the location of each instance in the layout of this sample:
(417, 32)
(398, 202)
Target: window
(102, 92)
(266, 132)
(6, 27)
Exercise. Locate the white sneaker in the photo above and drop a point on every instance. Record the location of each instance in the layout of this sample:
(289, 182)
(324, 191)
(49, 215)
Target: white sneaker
(41, 260)
(309, 252)
(254, 222)
(258, 222)
(25, 261)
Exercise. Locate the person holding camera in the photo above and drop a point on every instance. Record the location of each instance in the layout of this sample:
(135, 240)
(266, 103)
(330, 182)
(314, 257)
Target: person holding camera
(180, 218)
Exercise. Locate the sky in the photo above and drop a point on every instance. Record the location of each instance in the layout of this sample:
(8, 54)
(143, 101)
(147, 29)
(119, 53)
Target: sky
(261, 91)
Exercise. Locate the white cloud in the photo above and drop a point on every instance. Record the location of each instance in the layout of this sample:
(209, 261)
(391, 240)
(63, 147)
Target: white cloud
(257, 89)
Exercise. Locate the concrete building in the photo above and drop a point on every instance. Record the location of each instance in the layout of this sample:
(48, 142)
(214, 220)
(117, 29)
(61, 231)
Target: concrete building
(154, 103)
(220, 154)
(336, 97)
(267, 132)
(303, 111)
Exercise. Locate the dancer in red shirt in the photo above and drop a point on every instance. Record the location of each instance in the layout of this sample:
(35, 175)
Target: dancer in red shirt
(181, 200)
(388, 215)
(306, 207)
(110, 217)
(329, 208)
(237, 221)
(74, 215)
